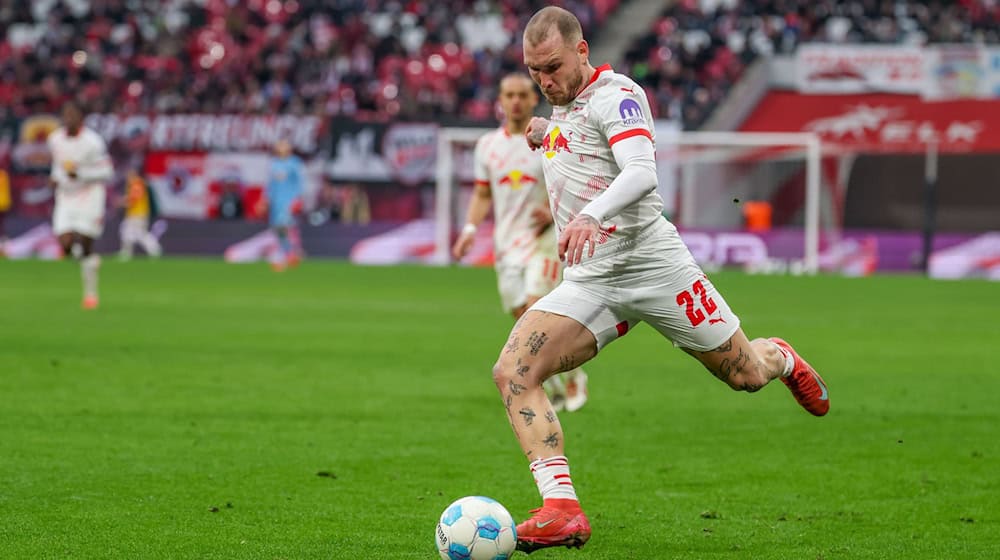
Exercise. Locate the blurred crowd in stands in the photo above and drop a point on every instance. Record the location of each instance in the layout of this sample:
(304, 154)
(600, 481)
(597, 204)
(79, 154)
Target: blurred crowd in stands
(373, 59)
(360, 58)
(698, 49)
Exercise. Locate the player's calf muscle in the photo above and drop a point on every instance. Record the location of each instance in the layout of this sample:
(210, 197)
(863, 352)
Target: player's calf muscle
(533, 420)
(738, 363)
(540, 345)
(519, 379)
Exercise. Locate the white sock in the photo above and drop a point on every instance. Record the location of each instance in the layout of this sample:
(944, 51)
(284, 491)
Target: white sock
(88, 272)
(789, 360)
(552, 478)
(151, 245)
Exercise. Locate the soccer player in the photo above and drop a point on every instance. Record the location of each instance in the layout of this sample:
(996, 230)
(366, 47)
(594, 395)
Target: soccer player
(508, 177)
(625, 264)
(139, 204)
(80, 166)
(284, 189)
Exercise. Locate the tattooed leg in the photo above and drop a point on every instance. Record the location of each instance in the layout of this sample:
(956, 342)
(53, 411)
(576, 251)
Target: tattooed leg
(741, 364)
(540, 345)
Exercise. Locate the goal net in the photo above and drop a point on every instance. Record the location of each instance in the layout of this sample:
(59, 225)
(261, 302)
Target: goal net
(708, 181)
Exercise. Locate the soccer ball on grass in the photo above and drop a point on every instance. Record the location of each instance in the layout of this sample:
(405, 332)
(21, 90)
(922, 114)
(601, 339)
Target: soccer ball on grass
(476, 528)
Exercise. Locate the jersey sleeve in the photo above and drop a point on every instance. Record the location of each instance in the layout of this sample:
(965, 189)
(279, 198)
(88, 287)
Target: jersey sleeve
(480, 171)
(98, 163)
(99, 151)
(623, 112)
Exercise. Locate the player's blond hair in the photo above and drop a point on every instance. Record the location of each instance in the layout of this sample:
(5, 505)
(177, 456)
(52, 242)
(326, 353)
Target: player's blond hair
(541, 24)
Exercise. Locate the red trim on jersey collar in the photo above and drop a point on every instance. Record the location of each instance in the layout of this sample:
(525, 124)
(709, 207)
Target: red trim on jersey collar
(597, 72)
(629, 134)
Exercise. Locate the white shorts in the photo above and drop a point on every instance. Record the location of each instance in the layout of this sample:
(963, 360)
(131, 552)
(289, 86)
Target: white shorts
(80, 211)
(654, 279)
(538, 277)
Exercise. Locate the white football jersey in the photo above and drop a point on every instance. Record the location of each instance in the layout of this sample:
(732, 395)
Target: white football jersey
(513, 172)
(86, 151)
(578, 161)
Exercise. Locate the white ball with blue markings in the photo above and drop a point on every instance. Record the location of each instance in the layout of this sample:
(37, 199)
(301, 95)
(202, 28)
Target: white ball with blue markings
(476, 528)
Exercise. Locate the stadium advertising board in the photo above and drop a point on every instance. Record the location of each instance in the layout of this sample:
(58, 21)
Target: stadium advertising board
(882, 122)
(858, 69)
(31, 237)
(201, 132)
(31, 154)
(853, 252)
(940, 72)
(991, 71)
(31, 194)
(193, 185)
(376, 152)
(955, 71)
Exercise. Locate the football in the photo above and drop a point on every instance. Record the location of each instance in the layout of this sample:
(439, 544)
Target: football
(476, 528)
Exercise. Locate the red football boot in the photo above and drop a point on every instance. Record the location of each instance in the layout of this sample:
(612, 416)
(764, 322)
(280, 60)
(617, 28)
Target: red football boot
(805, 384)
(89, 302)
(559, 522)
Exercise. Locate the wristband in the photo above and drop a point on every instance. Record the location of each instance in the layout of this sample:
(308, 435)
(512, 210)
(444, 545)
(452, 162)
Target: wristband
(470, 229)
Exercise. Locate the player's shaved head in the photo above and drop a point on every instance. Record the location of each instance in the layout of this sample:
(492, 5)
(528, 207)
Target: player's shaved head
(550, 19)
(557, 56)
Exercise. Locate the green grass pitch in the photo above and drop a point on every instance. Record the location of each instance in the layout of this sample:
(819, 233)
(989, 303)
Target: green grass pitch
(219, 411)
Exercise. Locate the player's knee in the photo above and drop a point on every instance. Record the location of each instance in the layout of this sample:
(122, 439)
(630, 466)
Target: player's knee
(510, 370)
(500, 374)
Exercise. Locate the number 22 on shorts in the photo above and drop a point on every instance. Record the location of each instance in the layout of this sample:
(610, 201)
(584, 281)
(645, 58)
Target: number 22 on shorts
(694, 314)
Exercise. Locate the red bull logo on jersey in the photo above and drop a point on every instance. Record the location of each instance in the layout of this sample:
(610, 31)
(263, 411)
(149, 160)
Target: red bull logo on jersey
(517, 179)
(554, 143)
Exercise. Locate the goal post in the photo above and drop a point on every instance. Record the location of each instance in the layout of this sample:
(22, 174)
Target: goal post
(690, 151)
(705, 172)
(455, 147)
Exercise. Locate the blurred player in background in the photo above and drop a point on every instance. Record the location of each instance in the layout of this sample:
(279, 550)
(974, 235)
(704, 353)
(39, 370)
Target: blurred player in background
(80, 167)
(140, 208)
(508, 177)
(285, 186)
(625, 264)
